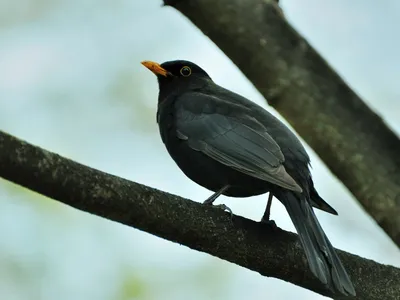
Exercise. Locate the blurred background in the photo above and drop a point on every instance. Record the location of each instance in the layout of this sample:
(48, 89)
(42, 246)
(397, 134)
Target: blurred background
(71, 82)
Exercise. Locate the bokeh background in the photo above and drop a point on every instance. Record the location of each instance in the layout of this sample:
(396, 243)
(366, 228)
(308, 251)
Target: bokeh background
(71, 81)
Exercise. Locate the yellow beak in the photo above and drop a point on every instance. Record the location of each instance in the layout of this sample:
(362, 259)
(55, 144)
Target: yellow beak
(155, 68)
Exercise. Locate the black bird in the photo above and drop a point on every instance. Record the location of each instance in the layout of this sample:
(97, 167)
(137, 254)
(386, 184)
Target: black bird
(231, 146)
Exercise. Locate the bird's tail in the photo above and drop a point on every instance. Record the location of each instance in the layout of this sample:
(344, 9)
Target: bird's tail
(321, 256)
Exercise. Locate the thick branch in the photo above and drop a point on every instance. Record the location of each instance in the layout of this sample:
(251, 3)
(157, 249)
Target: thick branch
(352, 140)
(270, 252)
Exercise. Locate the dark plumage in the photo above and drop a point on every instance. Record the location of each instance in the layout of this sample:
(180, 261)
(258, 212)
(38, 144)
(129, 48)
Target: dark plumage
(232, 146)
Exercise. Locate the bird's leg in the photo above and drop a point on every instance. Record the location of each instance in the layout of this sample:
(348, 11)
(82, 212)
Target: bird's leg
(213, 197)
(267, 213)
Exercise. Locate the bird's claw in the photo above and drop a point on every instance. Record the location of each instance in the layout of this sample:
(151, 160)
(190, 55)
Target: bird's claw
(270, 223)
(224, 208)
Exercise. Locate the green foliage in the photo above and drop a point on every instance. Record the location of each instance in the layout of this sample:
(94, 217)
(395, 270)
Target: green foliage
(133, 287)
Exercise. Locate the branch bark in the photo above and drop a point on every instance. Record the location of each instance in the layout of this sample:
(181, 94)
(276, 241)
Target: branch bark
(258, 247)
(350, 138)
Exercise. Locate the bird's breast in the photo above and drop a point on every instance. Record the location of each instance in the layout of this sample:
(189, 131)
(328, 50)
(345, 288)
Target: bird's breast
(165, 120)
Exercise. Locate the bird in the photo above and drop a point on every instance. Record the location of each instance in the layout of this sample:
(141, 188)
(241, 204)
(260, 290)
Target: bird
(231, 146)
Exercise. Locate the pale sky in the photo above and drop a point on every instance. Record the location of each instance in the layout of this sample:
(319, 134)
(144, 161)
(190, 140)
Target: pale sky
(71, 81)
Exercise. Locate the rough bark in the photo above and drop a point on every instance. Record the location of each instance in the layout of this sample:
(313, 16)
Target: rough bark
(258, 247)
(354, 142)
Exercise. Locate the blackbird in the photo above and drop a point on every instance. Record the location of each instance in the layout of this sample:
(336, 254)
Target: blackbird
(231, 146)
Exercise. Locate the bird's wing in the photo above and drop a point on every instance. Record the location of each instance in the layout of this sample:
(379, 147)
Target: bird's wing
(232, 137)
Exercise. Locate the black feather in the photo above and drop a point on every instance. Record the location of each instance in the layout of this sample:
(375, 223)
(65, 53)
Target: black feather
(321, 256)
(219, 138)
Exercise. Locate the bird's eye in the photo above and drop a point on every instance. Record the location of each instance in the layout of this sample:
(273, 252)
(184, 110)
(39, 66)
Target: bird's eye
(186, 71)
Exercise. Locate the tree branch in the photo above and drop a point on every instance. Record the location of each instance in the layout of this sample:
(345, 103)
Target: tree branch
(258, 247)
(349, 137)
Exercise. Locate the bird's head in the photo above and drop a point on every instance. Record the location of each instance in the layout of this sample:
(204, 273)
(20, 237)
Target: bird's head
(178, 75)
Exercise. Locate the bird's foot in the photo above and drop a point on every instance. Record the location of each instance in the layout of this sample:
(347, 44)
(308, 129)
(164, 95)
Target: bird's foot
(220, 206)
(225, 208)
(269, 223)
